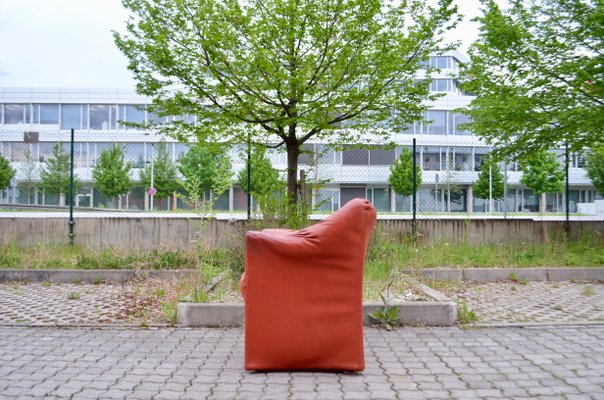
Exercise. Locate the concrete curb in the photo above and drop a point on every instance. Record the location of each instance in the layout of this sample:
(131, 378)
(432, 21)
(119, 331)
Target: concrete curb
(413, 313)
(441, 312)
(504, 274)
(88, 276)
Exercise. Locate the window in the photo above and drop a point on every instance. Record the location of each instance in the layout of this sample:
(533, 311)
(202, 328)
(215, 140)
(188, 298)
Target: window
(71, 116)
(441, 85)
(99, 116)
(349, 193)
(49, 113)
(17, 114)
(431, 159)
(455, 120)
(132, 113)
(440, 62)
(379, 156)
(352, 156)
(479, 153)
(463, 158)
(438, 122)
(74, 116)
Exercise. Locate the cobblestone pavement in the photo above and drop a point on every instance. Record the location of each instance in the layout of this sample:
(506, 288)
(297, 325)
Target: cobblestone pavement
(411, 363)
(541, 302)
(67, 304)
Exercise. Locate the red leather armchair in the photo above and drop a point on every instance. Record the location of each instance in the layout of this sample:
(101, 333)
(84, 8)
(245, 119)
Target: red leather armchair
(303, 293)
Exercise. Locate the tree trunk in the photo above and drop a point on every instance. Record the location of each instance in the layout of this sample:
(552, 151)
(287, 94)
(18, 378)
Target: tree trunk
(542, 203)
(62, 199)
(293, 151)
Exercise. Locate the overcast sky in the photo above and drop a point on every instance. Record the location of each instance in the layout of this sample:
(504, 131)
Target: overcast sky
(68, 43)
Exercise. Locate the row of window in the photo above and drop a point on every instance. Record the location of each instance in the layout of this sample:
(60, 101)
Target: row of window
(79, 116)
(430, 158)
(441, 62)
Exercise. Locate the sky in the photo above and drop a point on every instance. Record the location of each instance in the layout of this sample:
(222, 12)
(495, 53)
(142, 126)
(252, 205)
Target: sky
(68, 43)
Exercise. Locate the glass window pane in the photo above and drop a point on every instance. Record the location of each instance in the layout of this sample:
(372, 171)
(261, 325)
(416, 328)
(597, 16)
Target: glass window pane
(463, 158)
(438, 122)
(431, 159)
(349, 193)
(49, 113)
(440, 62)
(461, 119)
(382, 157)
(113, 115)
(70, 116)
(134, 114)
(353, 156)
(479, 153)
(99, 116)
(14, 113)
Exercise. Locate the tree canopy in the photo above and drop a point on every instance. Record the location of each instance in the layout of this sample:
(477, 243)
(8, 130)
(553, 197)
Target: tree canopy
(205, 168)
(6, 173)
(490, 181)
(284, 71)
(542, 173)
(594, 166)
(55, 175)
(164, 172)
(401, 174)
(537, 70)
(111, 173)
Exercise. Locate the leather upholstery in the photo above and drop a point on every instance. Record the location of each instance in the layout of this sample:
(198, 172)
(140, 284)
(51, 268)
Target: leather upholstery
(303, 293)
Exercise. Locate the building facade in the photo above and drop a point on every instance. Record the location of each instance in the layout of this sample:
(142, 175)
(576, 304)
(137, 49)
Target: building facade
(33, 120)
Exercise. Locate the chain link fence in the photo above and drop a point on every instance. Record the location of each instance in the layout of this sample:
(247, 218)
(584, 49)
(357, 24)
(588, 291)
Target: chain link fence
(333, 176)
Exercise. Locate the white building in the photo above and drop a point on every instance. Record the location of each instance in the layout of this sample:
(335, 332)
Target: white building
(34, 119)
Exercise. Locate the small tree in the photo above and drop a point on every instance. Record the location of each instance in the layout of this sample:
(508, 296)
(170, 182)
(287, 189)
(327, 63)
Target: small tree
(164, 173)
(265, 181)
(205, 169)
(401, 174)
(111, 173)
(542, 174)
(594, 165)
(55, 174)
(29, 175)
(485, 188)
(6, 173)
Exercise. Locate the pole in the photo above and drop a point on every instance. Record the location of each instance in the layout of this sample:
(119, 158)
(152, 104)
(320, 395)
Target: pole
(414, 221)
(505, 190)
(490, 187)
(567, 194)
(71, 221)
(249, 178)
(152, 182)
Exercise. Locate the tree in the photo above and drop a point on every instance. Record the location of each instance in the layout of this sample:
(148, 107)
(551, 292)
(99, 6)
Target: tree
(490, 183)
(55, 175)
(265, 182)
(537, 70)
(29, 175)
(6, 173)
(595, 167)
(164, 172)
(205, 168)
(285, 72)
(111, 173)
(401, 174)
(542, 173)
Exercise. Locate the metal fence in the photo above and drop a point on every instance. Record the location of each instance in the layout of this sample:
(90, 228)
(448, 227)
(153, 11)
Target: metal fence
(334, 175)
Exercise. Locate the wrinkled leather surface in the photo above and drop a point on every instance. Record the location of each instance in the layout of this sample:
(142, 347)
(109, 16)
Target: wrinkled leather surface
(303, 293)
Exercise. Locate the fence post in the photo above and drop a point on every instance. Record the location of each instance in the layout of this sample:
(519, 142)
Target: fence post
(71, 221)
(414, 221)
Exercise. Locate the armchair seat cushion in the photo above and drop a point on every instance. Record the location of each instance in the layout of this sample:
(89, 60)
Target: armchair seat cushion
(303, 293)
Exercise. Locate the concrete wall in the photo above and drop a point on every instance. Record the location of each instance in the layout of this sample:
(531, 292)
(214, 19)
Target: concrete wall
(147, 233)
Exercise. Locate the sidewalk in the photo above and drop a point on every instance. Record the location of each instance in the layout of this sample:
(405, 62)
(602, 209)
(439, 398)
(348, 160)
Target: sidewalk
(411, 363)
(557, 354)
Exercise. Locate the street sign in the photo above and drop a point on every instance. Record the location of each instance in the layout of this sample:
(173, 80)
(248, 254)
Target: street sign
(152, 191)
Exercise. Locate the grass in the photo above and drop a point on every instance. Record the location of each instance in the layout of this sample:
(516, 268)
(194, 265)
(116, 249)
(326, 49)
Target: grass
(76, 257)
(584, 252)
